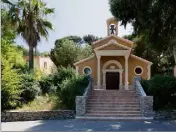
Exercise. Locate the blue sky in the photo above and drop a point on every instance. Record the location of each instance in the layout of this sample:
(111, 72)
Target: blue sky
(77, 17)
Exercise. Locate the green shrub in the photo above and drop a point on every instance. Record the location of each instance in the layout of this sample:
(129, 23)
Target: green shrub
(145, 84)
(10, 88)
(46, 84)
(163, 89)
(70, 88)
(30, 87)
(63, 74)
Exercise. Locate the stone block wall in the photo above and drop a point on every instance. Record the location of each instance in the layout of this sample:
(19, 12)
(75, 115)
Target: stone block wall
(146, 105)
(37, 115)
(81, 102)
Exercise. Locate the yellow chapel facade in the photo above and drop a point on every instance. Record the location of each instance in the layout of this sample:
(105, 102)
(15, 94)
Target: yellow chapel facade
(113, 66)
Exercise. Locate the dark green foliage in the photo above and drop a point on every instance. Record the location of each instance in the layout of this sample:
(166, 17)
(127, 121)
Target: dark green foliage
(49, 83)
(145, 84)
(90, 38)
(30, 87)
(46, 84)
(70, 88)
(163, 88)
(153, 19)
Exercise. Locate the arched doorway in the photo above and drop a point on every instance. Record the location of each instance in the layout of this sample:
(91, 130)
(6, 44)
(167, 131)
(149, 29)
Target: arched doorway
(112, 77)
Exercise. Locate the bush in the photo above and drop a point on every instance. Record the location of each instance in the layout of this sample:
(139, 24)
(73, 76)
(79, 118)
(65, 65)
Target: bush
(30, 87)
(163, 88)
(145, 84)
(63, 74)
(70, 88)
(10, 88)
(46, 84)
(50, 84)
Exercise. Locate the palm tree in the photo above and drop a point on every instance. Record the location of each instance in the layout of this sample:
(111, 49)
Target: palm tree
(29, 18)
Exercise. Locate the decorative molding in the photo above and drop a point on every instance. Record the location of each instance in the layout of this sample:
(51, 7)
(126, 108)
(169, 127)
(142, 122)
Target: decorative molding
(83, 60)
(104, 70)
(113, 52)
(122, 39)
(87, 67)
(141, 69)
(112, 62)
(112, 42)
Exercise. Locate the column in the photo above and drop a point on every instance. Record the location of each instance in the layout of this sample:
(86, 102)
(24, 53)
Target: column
(77, 69)
(126, 72)
(98, 71)
(120, 78)
(104, 79)
(149, 71)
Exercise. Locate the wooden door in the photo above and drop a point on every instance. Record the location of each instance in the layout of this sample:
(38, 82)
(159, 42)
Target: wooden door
(112, 80)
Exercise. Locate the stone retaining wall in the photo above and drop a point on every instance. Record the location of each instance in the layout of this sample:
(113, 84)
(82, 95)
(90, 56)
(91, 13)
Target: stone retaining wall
(165, 115)
(37, 115)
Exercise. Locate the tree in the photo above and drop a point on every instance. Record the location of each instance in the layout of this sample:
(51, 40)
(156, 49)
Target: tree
(66, 52)
(75, 39)
(28, 18)
(162, 60)
(90, 38)
(155, 19)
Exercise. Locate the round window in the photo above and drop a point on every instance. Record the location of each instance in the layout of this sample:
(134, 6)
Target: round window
(138, 70)
(87, 70)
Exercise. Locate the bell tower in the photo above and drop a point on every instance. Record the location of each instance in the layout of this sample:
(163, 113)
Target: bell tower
(112, 26)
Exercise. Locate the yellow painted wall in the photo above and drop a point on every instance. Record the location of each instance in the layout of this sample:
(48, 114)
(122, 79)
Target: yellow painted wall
(132, 63)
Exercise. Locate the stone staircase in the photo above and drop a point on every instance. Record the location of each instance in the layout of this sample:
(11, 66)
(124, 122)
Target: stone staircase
(113, 104)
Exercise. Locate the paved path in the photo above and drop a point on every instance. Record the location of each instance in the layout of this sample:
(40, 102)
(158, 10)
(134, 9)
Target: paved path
(81, 125)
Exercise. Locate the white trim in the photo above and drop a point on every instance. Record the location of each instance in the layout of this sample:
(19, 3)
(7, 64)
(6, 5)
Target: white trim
(104, 70)
(141, 59)
(98, 71)
(113, 52)
(141, 69)
(112, 62)
(149, 71)
(83, 60)
(126, 72)
(175, 71)
(112, 42)
(125, 40)
(77, 69)
(87, 67)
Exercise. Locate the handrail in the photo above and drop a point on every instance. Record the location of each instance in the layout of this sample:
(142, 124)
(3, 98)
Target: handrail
(140, 89)
(87, 89)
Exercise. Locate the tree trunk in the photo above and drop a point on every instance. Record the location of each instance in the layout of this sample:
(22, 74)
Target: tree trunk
(31, 58)
(174, 53)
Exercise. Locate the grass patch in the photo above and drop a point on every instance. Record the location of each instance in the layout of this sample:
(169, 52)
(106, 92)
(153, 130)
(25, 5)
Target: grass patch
(47, 102)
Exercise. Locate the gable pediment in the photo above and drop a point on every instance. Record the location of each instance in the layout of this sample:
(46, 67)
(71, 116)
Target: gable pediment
(118, 40)
(112, 45)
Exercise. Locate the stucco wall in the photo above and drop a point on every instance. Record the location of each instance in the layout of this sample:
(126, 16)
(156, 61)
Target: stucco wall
(132, 63)
(51, 68)
(91, 63)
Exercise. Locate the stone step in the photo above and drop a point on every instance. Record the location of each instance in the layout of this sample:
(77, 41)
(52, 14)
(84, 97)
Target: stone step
(114, 93)
(113, 109)
(114, 106)
(138, 118)
(113, 112)
(113, 103)
(113, 115)
(112, 100)
(112, 97)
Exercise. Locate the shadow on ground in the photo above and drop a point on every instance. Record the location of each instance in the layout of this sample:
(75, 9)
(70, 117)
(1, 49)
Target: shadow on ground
(82, 125)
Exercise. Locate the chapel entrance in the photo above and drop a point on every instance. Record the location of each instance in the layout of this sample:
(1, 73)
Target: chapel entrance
(112, 80)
